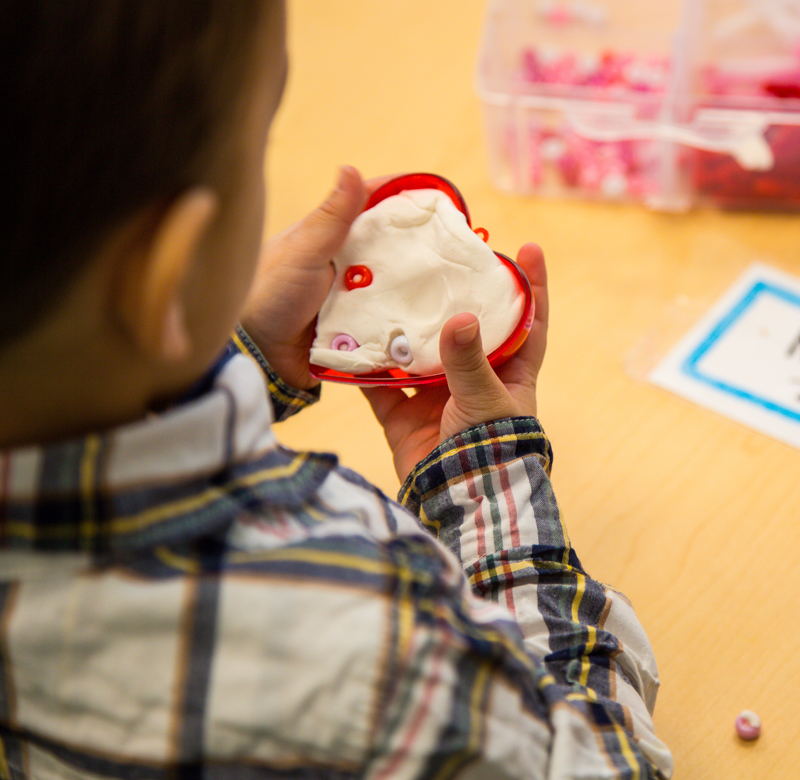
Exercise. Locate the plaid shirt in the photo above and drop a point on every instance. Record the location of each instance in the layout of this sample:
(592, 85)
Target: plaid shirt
(184, 598)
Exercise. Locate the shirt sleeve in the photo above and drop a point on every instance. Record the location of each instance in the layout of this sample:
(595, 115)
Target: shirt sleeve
(286, 400)
(486, 494)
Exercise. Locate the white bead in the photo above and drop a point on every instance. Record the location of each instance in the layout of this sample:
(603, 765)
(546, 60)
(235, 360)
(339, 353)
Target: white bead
(552, 149)
(614, 185)
(400, 350)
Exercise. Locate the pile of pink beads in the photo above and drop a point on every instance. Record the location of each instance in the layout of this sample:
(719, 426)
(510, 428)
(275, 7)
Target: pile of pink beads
(576, 12)
(557, 151)
(611, 170)
(615, 170)
(609, 71)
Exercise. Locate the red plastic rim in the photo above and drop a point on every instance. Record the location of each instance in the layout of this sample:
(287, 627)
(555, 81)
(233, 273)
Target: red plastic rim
(419, 181)
(396, 376)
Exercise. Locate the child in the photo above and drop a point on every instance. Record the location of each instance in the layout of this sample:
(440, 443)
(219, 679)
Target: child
(180, 596)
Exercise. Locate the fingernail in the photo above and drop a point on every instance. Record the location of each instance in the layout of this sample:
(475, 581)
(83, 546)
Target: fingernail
(466, 335)
(344, 171)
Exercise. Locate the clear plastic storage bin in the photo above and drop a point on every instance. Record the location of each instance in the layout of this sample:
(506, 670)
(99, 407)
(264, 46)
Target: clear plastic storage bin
(666, 103)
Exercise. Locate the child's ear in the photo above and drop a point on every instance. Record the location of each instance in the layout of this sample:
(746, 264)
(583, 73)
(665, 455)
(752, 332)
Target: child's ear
(150, 290)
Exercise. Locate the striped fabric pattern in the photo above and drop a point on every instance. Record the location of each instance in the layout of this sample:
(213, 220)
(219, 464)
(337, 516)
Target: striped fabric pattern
(286, 400)
(183, 597)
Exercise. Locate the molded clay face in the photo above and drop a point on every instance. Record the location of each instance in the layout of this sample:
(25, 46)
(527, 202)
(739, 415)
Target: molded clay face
(409, 264)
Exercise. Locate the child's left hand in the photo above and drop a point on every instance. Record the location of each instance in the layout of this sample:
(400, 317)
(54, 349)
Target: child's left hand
(476, 393)
(294, 276)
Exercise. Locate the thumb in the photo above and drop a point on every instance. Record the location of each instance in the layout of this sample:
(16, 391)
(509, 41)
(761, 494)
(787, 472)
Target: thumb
(477, 394)
(325, 229)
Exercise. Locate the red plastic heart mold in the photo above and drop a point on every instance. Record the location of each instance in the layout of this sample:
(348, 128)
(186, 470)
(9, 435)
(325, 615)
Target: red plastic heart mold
(395, 376)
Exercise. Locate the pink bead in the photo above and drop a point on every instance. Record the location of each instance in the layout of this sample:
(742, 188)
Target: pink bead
(638, 187)
(748, 725)
(559, 15)
(344, 343)
(569, 168)
(590, 177)
(531, 68)
(564, 71)
(626, 154)
(615, 184)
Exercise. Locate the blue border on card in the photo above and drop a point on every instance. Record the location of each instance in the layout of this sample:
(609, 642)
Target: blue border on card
(690, 367)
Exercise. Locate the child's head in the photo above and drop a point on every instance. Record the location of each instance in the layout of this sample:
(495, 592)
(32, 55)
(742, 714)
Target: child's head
(134, 139)
(117, 107)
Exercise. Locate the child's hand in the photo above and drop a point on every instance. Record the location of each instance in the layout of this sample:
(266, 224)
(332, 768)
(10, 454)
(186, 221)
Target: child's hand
(294, 276)
(415, 425)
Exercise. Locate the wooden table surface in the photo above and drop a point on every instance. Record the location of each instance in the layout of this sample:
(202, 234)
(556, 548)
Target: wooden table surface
(694, 517)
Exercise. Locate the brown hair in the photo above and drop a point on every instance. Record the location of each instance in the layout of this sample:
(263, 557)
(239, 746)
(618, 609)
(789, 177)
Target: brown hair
(110, 105)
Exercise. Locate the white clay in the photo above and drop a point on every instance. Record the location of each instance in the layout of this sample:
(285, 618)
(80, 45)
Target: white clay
(426, 265)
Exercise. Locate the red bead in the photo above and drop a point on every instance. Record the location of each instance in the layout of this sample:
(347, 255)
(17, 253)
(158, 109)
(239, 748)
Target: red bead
(357, 276)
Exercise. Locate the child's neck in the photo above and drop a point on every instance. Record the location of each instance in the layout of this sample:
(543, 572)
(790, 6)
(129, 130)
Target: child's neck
(52, 391)
(63, 380)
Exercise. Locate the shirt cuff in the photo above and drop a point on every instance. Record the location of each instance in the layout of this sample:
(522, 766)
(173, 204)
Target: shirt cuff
(286, 400)
(475, 450)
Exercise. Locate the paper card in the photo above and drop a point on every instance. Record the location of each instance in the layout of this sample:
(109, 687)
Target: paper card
(742, 359)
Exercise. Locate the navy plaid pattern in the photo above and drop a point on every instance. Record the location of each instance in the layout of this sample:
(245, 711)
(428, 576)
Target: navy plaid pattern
(185, 597)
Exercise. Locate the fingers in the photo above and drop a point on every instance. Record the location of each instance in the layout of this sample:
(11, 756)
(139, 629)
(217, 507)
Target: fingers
(531, 259)
(324, 230)
(383, 400)
(469, 375)
(528, 360)
(477, 394)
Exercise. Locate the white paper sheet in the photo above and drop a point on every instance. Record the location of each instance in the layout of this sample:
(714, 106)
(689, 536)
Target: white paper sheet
(742, 359)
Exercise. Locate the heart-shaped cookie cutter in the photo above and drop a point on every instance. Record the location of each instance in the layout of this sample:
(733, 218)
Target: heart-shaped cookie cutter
(397, 377)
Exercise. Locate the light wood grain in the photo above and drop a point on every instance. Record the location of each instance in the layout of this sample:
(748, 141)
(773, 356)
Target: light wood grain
(695, 518)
